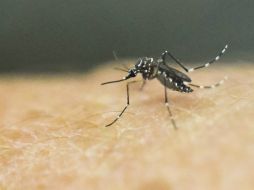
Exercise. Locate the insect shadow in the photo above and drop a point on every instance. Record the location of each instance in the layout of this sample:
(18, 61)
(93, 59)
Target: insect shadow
(169, 77)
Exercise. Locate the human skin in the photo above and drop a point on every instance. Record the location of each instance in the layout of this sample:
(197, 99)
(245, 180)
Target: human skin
(52, 133)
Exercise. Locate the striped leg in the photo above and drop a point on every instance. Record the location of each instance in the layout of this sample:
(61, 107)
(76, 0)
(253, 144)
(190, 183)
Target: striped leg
(210, 62)
(127, 104)
(195, 68)
(167, 105)
(210, 86)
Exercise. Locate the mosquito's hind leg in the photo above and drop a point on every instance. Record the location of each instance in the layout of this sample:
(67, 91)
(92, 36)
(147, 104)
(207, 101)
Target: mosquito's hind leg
(209, 86)
(163, 56)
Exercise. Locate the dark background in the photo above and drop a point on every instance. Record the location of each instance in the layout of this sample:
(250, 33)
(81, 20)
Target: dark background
(75, 35)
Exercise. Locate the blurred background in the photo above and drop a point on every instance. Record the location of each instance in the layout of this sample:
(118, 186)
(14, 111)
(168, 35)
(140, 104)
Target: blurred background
(77, 35)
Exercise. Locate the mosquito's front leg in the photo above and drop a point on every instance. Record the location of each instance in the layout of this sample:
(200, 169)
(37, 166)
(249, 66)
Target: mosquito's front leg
(127, 104)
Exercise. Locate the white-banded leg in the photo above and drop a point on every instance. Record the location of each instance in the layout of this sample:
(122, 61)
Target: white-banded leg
(194, 68)
(209, 86)
(127, 104)
(167, 105)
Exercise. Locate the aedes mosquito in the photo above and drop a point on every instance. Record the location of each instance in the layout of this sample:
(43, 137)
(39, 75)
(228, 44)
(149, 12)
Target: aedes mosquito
(171, 78)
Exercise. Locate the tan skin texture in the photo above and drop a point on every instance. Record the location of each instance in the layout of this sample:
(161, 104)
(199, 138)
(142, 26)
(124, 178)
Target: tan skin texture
(52, 133)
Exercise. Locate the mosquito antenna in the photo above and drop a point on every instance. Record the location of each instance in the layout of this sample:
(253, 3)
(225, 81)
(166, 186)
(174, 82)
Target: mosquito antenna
(116, 58)
(121, 69)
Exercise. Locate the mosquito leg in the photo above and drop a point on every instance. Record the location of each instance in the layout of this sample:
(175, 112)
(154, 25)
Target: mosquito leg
(127, 104)
(163, 56)
(210, 62)
(209, 86)
(167, 105)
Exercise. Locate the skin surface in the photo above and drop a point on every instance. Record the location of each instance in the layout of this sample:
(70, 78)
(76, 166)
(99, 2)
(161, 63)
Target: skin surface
(52, 133)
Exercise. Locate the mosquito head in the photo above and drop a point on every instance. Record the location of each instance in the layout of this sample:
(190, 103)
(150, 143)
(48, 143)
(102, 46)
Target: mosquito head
(142, 66)
(132, 73)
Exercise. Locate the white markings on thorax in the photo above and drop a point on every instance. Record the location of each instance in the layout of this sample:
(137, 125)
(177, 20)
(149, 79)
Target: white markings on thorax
(140, 63)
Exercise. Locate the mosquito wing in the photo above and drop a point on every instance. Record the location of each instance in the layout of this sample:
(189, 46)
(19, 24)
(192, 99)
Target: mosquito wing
(173, 73)
(173, 79)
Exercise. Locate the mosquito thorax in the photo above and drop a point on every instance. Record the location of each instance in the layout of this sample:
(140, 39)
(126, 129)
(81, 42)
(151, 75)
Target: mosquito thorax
(145, 67)
(144, 63)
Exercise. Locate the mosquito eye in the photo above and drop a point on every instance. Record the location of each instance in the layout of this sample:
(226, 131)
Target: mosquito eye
(132, 74)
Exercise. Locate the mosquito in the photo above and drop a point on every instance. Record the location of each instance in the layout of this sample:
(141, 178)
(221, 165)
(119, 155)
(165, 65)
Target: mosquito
(169, 77)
